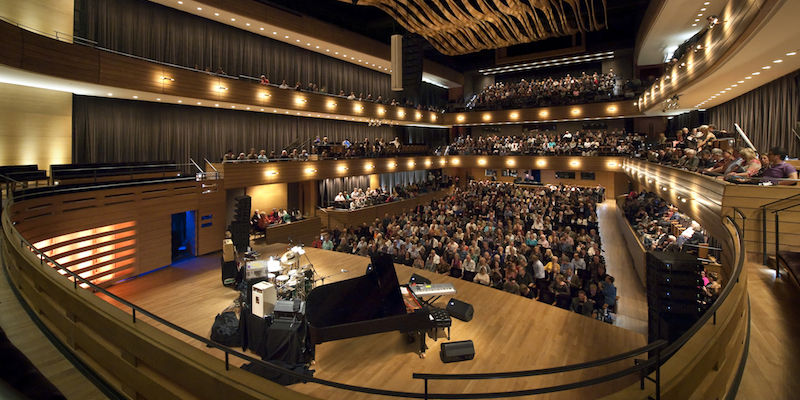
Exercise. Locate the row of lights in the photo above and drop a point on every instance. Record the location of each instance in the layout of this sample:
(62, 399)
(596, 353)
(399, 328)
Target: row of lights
(697, 20)
(308, 44)
(514, 115)
(411, 164)
(741, 81)
(636, 173)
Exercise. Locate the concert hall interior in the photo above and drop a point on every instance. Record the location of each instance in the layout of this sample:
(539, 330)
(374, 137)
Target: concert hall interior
(273, 199)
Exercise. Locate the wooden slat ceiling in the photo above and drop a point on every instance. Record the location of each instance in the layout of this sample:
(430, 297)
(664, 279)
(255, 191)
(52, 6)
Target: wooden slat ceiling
(456, 27)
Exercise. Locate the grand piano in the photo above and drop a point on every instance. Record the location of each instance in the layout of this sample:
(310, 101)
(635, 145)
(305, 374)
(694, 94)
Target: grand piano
(365, 305)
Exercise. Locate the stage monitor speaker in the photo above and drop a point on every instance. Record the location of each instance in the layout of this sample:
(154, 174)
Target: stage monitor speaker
(457, 351)
(460, 310)
(418, 280)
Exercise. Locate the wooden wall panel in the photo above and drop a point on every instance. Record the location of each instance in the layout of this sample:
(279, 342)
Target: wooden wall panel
(150, 207)
(343, 219)
(35, 126)
(267, 197)
(749, 199)
(65, 60)
(131, 73)
(11, 45)
(635, 247)
(301, 232)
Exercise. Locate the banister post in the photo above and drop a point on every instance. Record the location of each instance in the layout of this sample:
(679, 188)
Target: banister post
(777, 247)
(764, 234)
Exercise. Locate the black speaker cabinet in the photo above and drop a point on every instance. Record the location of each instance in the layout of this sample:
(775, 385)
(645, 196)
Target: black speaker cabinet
(457, 351)
(458, 309)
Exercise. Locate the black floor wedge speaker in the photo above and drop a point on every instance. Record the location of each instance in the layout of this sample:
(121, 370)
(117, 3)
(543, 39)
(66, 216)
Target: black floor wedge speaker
(457, 351)
(458, 309)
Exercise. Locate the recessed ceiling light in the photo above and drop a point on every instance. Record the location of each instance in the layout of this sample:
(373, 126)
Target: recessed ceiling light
(706, 3)
(261, 29)
(748, 77)
(699, 15)
(180, 101)
(791, 53)
(703, 9)
(198, 103)
(308, 44)
(135, 97)
(274, 33)
(756, 73)
(180, 2)
(777, 61)
(328, 50)
(298, 40)
(159, 98)
(216, 105)
(317, 46)
(694, 24)
(696, 19)
(740, 82)
(734, 85)
(286, 37)
(336, 52)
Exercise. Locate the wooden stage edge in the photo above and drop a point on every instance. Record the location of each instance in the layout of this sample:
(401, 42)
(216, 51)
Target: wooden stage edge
(510, 333)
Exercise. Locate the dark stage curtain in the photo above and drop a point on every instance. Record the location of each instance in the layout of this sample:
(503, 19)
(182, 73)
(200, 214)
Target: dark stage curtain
(161, 33)
(113, 130)
(329, 188)
(690, 120)
(766, 114)
(389, 181)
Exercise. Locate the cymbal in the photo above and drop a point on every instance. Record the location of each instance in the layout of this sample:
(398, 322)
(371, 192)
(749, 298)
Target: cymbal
(289, 258)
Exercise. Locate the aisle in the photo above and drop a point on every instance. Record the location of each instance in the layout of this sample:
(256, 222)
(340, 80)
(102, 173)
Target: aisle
(27, 337)
(633, 296)
(773, 358)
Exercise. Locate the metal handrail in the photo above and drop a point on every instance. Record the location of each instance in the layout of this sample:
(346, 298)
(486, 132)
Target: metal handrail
(639, 367)
(547, 371)
(764, 228)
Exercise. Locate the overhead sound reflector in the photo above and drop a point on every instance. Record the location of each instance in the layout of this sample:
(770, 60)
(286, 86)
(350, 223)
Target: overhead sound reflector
(397, 63)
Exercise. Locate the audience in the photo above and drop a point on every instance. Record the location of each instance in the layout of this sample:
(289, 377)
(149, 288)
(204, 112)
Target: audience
(547, 92)
(484, 234)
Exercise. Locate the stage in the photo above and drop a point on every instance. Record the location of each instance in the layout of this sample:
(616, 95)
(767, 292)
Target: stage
(510, 333)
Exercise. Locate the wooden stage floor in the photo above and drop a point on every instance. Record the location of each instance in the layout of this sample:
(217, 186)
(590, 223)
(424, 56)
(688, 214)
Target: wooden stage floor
(510, 333)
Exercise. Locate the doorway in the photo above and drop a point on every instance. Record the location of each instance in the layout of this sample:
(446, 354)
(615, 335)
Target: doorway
(184, 233)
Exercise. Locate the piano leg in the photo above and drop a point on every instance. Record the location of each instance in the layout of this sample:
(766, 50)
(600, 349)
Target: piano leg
(422, 346)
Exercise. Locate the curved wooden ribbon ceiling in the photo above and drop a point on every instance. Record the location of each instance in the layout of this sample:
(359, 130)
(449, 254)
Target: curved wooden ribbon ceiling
(457, 27)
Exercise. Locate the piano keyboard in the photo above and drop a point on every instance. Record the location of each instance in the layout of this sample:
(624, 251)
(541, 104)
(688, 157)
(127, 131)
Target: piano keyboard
(434, 289)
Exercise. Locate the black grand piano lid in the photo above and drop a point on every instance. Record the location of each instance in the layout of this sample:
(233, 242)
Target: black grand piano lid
(371, 296)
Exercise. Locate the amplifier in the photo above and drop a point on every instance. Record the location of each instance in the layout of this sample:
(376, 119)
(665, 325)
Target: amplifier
(457, 351)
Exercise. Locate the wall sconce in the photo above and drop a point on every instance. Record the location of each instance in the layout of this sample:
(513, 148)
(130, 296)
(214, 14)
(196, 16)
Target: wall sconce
(460, 118)
(272, 173)
(223, 88)
(166, 78)
(311, 170)
(482, 161)
(510, 162)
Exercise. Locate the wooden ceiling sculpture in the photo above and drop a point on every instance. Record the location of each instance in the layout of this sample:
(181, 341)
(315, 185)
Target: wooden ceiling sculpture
(457, 27)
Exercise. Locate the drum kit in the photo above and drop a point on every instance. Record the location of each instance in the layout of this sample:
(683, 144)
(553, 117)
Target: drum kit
(294, 281)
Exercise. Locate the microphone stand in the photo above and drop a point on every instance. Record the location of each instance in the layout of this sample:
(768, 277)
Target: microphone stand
(322, 279)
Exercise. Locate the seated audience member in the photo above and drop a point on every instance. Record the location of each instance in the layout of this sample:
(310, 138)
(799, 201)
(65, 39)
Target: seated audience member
(284, 85)
(713, 289)
(722, 165)
(689, 161)
(264, 80)
(596, 296)
(252, 155)
(525, 291)
(779, 168)
(751, 165)
(262, 156)
(327, 244)
(582, 304)
(609, 292)
(229, 156)
(482, 277)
